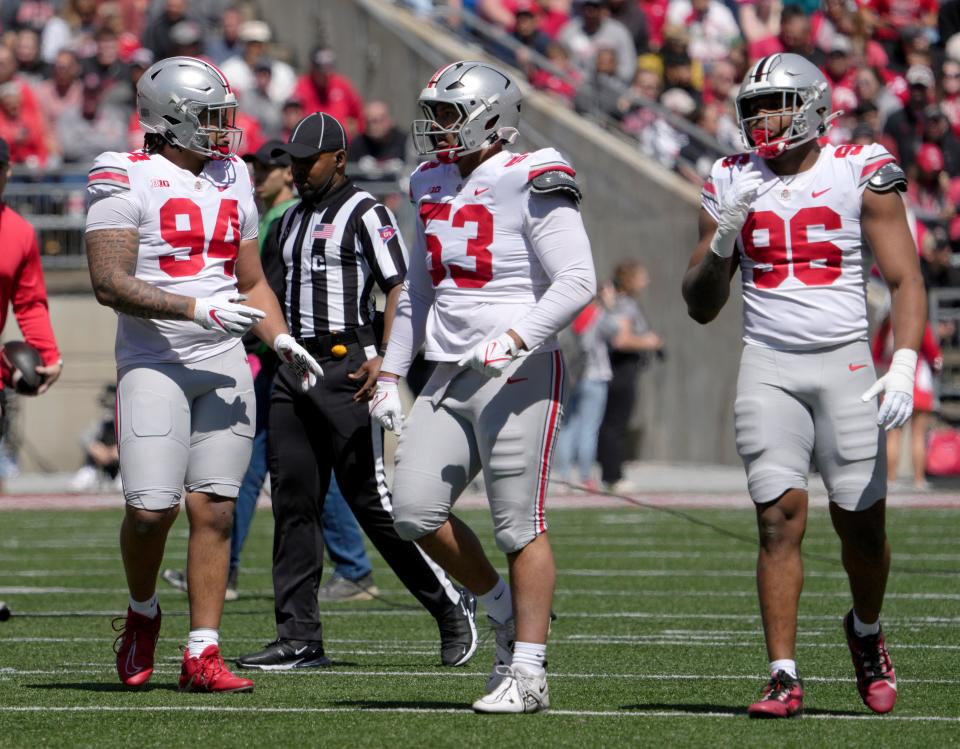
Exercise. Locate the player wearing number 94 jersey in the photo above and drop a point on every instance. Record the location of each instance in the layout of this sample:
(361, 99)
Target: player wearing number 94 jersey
(500, 264)
(172, 247)
(791, 214)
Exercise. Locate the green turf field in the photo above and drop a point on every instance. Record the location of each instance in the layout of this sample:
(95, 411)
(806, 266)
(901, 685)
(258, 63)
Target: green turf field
(658, 643)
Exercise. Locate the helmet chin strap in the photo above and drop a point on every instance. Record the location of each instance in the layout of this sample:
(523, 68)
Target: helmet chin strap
(315, 195)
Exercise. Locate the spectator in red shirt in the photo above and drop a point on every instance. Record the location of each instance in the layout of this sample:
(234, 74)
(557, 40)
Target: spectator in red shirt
(656, 13)
(21, 283)
(893, 16)
(22, 128)
(322, 89)
(950, 93)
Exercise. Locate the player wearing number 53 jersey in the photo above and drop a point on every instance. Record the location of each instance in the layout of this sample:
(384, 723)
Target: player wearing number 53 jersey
(172, 247)
(500, 264)
(791, 215)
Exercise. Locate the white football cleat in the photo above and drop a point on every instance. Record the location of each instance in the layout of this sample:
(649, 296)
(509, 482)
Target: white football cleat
(517, 692)
(505, 633)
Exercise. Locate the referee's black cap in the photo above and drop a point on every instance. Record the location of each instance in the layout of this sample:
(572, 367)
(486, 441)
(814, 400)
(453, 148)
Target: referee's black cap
(314, 134)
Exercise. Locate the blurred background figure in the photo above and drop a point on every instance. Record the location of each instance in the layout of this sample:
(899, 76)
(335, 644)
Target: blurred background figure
(323, 89)
(630, 348)
(592, 330)
(101, 462)
(929, 365)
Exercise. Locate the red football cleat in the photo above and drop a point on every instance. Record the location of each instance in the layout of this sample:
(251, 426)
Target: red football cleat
(876, 681)
(209, 673)
(782, 698)
(135, 646)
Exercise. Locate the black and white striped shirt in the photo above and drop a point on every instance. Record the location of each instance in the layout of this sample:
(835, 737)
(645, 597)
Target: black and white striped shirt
(329, 256)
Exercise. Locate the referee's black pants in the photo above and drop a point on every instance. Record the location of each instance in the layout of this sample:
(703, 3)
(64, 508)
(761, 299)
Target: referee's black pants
(310, 434)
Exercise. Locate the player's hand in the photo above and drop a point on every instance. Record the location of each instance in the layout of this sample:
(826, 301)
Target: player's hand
(50, 375)
(491, 357)
(298, 359)
(225, 313)
(733, 212)
(386, 406)
(368, 372)
(897, 388)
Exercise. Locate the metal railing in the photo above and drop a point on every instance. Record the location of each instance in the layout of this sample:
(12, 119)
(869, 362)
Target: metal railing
(945, 308)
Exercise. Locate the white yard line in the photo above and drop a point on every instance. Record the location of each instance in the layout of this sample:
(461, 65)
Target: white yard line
(436, 711)
(95, 668)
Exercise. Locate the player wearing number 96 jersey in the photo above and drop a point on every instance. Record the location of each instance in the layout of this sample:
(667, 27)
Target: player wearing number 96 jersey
(790, 215)
(501, 263)
(172, 247)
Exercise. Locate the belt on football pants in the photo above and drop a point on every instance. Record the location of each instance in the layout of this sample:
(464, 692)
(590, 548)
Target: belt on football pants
(336, 345)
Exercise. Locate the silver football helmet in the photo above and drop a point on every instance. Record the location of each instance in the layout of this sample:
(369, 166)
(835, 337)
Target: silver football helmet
(190, 103)
(785, 83)
(488, 103)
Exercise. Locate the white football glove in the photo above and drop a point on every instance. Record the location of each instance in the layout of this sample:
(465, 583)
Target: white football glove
(733, 212)
(491, 357)
(223, 313)
(298, 360)
(386, 407)
(897, 388)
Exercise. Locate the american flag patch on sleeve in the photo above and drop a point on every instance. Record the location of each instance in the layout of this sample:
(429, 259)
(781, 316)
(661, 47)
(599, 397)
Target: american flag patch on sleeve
(111, 176)
(322, 231)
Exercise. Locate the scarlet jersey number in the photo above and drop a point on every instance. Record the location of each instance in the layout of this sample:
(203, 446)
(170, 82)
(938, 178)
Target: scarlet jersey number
(811, 263)
(477, 247)
(194, 237)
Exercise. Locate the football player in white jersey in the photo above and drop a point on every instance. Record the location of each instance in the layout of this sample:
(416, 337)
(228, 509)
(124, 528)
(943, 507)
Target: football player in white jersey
(501, 263)
(790, 215)
(172, 247)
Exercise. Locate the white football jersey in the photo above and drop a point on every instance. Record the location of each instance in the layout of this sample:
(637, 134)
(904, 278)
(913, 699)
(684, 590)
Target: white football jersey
(190, 231)
(472, 238)
(800, 250)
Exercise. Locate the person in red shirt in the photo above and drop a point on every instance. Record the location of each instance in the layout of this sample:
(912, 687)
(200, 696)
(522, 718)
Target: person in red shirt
(928, 366)
(21, 283)
(321, 89)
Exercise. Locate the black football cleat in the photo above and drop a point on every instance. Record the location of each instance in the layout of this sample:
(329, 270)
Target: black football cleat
(458, 631)
(283, 655)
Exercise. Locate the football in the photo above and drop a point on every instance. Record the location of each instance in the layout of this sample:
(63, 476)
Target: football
(20, 361)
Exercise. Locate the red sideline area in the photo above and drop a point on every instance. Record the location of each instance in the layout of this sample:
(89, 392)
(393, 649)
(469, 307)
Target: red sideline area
(570, 499)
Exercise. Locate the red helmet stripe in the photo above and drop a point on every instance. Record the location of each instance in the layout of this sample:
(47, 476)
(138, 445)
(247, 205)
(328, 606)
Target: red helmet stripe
(436, 76)
(222, 76)
(760, 65)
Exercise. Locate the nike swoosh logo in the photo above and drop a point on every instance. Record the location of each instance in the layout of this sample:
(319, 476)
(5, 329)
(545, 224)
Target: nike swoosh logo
(480, 190)
(514, 380)
(497, 598)
(300, 650)
(131, 663)
(855, 367)
(816, 194)
(213, 314)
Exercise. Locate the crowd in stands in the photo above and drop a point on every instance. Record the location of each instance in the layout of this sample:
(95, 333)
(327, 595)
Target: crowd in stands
(68, 72)
(893, 67)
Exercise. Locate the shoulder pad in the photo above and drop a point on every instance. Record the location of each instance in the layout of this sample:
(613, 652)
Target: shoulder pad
(888, 177)
(556, 180)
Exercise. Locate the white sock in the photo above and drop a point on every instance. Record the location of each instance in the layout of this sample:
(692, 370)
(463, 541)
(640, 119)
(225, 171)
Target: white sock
(864, 630)
(149, 608)
(200, 639)
(784, 664)
(498, 602)
(529, 657)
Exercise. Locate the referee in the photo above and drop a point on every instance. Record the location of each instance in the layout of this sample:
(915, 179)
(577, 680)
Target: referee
(322, 259)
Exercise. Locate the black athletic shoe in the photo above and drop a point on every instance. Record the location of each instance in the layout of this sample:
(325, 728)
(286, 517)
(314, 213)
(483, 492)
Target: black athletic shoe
(282, 655)
(458, 631)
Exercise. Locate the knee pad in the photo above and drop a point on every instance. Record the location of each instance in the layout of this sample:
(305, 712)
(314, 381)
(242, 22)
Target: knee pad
(510, 540)
(156, 500)
(216, 488)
